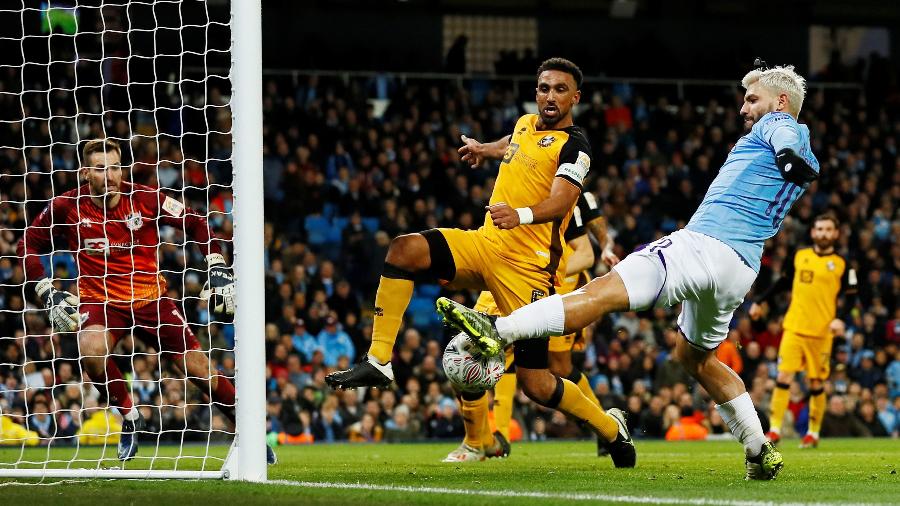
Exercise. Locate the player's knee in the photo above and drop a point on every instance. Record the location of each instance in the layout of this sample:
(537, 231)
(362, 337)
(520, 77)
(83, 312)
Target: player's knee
(408, 252)
(92, 344)
(538, 387)
(560, 364)
(690, 360)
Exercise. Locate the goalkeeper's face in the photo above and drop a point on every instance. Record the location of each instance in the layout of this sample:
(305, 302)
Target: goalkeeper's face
(556, 94)
(103, 173)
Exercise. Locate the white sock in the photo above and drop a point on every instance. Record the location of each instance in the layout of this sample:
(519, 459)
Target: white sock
(742, 420)
(543, 318)
(813, 434)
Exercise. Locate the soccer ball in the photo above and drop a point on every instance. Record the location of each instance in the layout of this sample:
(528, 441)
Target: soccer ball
(468, 369)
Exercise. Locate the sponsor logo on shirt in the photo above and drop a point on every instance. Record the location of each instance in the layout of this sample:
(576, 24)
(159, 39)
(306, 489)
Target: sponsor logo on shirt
(98, 246)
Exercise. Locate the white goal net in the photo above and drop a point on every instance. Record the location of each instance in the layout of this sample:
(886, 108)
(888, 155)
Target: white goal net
(140, 73)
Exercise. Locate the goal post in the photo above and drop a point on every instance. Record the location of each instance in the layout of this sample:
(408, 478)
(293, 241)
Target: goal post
(250, 358)
(149, 74)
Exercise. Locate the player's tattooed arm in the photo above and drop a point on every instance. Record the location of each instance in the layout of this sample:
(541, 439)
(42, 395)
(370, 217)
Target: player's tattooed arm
(475, 153)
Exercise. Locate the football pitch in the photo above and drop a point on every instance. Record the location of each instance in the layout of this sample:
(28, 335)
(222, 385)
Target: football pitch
(839, 472)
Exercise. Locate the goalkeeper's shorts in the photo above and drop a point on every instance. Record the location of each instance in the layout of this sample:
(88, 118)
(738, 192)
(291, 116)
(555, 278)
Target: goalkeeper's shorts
(158, 324)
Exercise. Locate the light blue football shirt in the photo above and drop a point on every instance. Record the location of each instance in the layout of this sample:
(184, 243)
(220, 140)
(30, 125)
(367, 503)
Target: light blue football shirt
(748, 200)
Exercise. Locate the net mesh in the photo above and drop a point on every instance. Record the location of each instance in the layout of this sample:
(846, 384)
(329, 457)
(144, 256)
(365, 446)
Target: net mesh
(141, 73)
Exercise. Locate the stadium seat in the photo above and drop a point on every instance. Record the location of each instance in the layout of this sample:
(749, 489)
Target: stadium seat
(317, 230)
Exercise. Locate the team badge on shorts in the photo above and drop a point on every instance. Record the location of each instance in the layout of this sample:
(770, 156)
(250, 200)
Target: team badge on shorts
(134, 221)
(537, 295)
(546, 141)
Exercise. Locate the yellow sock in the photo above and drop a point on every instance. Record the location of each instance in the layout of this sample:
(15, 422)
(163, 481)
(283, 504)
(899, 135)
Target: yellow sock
(816, 412)
(780, 398)
(487, 435)
(504, 391)
(585, 386)
(474, 415)
(391, 299)
(574, 403)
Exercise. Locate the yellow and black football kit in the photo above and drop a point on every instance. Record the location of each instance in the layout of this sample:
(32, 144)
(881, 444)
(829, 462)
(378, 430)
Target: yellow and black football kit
(520, 265)
(816, 281)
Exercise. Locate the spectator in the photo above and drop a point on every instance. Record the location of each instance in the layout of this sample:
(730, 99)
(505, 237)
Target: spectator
(839, 422)
(869, 418)
(335, 343)
(304, 342)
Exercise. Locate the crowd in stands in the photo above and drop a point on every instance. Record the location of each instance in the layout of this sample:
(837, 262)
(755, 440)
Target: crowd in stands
(344, 175)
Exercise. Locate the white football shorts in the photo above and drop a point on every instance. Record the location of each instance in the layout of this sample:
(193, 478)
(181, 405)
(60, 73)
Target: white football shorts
(705, 275)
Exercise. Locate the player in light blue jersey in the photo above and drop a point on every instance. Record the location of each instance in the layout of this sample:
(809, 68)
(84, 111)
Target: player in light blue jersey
(708, 267)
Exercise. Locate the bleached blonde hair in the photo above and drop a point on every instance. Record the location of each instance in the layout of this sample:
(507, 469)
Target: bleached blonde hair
(780, 80)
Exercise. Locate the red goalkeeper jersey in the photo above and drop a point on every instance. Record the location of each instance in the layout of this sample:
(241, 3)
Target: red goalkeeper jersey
(115, 248)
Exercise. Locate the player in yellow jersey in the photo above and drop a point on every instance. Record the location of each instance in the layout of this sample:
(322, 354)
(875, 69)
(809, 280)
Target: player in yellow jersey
(515, 254)
(479, 443)
(818, 275)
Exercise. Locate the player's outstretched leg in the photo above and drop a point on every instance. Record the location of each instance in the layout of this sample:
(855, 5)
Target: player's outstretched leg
(551, 316)
(407, 255)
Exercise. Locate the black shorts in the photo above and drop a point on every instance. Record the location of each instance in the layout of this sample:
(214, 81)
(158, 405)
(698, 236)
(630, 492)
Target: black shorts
(532, 353)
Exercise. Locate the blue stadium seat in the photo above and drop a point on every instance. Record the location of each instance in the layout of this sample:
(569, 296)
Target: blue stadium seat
(317, 230)
(371, 224)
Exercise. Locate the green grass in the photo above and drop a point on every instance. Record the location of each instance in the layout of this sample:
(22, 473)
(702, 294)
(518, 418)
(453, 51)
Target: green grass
(839, 472)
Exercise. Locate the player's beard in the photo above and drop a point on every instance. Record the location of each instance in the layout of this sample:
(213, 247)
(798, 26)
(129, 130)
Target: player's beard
(824, 244)
(549, 121)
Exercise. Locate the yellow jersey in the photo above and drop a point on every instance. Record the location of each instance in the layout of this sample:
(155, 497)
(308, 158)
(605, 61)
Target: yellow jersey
(817, 281)
(533, 160)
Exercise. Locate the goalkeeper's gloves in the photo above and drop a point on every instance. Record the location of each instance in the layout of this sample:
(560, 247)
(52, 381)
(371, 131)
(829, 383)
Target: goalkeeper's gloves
(219, 288)
(63, 306)
(794, 168)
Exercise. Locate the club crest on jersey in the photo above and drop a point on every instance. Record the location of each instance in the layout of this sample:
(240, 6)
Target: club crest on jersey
(134, 221)
(86, 222)
(546, 141)
(830, 265)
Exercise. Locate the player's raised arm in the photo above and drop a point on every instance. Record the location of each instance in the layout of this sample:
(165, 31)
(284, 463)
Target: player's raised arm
(475, 153)
(220, 289)
(37, 241)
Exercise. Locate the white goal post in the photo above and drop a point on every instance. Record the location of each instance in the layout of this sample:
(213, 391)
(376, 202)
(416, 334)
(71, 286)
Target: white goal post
(212, 452)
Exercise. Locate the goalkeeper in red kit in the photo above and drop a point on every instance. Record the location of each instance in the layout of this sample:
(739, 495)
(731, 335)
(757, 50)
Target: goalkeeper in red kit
(112, 227)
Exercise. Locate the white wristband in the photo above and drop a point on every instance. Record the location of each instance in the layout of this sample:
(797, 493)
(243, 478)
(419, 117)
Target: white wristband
(215, 259)
(526, 216)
